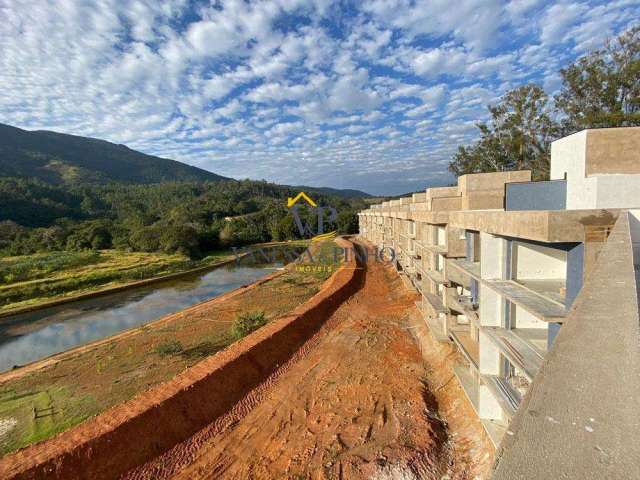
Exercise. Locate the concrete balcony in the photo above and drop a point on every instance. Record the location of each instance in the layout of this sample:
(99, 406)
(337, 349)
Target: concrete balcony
(519, 351)
(435, 276)
(541, 306)
(503, 394)
(432, 319)
(471, 269)
(441, 249)
(471, 382)
(468, 346)
(434, 302)
(462, 304)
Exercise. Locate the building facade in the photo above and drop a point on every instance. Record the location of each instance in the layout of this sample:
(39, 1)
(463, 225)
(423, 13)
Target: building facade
(499, 260)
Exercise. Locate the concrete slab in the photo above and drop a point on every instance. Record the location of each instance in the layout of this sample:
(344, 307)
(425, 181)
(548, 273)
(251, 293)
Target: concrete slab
(469, 268)
(533, 302)
(519, 352)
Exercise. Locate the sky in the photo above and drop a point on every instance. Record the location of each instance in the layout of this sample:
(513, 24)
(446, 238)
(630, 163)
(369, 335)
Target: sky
(373, 95)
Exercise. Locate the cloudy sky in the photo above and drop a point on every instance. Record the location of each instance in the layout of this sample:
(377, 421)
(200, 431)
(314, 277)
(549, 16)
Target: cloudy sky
(374, 95)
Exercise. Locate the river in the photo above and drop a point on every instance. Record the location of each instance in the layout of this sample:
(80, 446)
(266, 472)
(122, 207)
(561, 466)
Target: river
(35, 335)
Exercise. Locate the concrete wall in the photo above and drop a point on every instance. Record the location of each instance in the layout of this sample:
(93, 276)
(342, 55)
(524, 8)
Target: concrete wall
(602, 168)
(446, 203)
(575, 272)
(613, 151)
(538, 262)
(439, 192)
(419, 197)
(492, 256)
(523, 319)
(456, 242)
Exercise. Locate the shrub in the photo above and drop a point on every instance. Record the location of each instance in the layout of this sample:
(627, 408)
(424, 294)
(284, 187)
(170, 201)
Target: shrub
(169, 348)
(247, 322)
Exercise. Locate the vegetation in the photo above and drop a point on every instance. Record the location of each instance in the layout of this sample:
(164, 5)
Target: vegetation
(189, 218)
(67, 193)
(69, 159)
(33, 279)
(170, 347)
(247, 322)
(601, 89)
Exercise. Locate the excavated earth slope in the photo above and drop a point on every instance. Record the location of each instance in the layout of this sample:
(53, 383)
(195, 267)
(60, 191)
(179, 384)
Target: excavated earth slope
(353, 402)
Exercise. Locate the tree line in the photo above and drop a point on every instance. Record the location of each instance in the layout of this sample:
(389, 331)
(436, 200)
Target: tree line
(599, 90)
(185, 217)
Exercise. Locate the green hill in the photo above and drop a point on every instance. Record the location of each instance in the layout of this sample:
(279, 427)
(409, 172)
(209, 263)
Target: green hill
(63, 192)
(60, 158)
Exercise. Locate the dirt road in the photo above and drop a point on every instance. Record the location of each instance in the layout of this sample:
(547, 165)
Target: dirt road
(353, 403)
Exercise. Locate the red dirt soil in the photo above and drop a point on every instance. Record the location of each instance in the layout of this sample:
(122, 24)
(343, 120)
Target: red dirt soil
(353, 402)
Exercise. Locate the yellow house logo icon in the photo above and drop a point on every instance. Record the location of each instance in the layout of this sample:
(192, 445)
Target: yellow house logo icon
(292, 201)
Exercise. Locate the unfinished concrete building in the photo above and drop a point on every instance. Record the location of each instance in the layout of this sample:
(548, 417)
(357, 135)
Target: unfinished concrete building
(499, 262)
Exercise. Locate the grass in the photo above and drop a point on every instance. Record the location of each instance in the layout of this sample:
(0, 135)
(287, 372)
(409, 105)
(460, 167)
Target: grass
(170, 347)
(86, 383)
(31, 267)
(41, 414)
(247, 322)
(34, 279)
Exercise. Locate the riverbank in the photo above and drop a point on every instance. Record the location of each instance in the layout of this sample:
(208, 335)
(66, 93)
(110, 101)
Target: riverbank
(55, 394)
(35, 282)
(45, 280)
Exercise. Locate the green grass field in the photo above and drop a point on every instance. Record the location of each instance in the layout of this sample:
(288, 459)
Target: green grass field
(34, 279)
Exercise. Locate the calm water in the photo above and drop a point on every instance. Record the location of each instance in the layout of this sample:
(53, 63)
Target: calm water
(32, 336)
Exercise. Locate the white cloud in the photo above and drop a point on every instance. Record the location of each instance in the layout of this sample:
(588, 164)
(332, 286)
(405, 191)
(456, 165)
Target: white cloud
(376, 94)
(558, 19)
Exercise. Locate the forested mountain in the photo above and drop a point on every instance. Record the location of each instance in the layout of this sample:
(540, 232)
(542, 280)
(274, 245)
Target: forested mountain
(60, 158)
(337, 192)
(60, 192)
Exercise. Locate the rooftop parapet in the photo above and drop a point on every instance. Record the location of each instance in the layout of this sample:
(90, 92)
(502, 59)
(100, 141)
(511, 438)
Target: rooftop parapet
(419, 197)
(601, 167)
(439, 192)
(443, 198)
(490, 182)
(486, 191)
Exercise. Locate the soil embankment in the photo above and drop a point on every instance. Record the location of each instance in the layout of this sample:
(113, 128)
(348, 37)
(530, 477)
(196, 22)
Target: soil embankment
(354, 403)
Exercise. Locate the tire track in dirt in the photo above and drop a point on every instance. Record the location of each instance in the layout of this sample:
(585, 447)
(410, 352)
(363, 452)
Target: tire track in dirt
(351, 403)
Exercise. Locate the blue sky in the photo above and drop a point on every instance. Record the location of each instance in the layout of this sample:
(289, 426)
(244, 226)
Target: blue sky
(374, 95)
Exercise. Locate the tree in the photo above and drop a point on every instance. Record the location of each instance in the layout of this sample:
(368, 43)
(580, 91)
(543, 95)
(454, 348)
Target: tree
(602, 89)
(284, 229)
(146, 239)
(347, 222)
(181, 239)
(518, 136)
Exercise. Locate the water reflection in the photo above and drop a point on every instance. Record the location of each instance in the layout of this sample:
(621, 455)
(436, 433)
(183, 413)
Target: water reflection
(32, 336)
